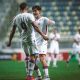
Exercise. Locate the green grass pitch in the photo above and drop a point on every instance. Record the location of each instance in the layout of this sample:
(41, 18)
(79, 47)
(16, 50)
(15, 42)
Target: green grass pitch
(15, 70)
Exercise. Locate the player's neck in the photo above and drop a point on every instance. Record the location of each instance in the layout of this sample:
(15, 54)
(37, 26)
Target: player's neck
(39, 16)
(23, 11)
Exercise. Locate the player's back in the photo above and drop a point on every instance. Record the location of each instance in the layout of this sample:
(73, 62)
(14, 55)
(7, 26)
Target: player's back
(23, 22)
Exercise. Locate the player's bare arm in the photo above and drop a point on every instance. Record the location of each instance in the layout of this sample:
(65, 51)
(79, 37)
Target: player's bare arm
(38, 30)
(11, 35)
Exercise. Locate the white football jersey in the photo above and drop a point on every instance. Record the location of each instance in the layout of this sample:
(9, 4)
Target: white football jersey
(23, 22)
(43, 24)
(54, 44)
(77, 37)
(54, 37)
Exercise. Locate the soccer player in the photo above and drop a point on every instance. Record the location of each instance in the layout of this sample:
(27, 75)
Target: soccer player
(24, 21)
(54, 46)
(43, 23)
(76, 47)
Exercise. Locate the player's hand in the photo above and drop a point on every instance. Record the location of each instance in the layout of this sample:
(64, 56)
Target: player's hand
(45, 37)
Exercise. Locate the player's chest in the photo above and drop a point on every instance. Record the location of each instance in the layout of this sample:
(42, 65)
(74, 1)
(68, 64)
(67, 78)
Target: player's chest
(40, 22)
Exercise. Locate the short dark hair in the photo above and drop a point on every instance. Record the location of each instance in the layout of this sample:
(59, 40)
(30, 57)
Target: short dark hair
(23, 6)
(36, 7)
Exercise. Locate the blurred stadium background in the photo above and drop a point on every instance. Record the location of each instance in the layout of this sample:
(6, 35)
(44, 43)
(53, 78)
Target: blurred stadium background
(66, 14)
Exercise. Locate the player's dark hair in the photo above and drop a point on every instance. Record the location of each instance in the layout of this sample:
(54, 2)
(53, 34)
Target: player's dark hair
(23, 6)
(36, 7)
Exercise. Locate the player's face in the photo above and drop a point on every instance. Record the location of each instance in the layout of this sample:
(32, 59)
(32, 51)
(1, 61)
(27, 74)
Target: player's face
(36, 12)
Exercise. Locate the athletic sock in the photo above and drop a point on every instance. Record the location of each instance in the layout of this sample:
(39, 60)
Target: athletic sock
(48, 61)
(31, 67)
(27, 65)
(55, 62)
(45, 69)
(37, 70)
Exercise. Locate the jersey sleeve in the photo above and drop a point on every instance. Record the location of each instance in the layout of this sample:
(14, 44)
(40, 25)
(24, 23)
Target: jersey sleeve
(49, 22)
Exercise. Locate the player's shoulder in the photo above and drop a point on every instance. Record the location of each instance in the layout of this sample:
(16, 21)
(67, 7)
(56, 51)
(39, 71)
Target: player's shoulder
(24, 14)
(43, 17)
(18, 15)
(29, 14)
